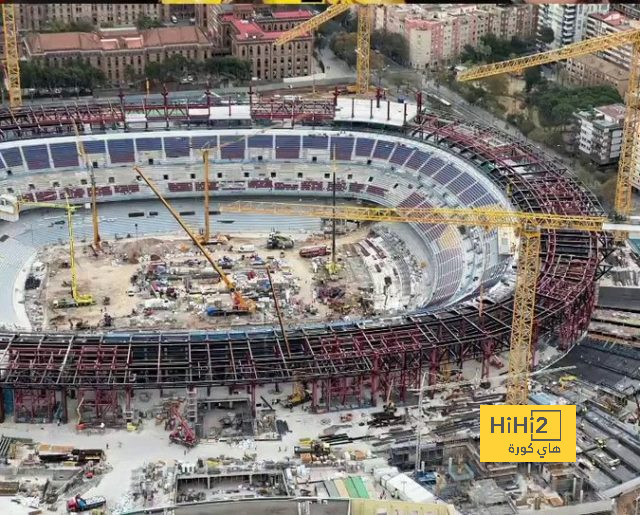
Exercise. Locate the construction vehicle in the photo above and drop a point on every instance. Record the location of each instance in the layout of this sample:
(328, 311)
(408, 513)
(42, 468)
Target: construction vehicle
(528, 224)
(79, 504)
(316, 448)
(628, 163)
(239, 302)
(77, 299)
(182, 432)
(279, 241)
(299, 396)
(314, 251)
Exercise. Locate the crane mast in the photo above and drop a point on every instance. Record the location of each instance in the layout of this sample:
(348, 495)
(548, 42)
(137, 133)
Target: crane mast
(11, 54)
(94, 203)
(628, 163)
(528, 226)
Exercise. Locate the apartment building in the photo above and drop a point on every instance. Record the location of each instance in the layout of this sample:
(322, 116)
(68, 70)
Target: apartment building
(115, 51)
(568, 21)
(591, 70)
(599, 134)
(437, 34)
(601, 24)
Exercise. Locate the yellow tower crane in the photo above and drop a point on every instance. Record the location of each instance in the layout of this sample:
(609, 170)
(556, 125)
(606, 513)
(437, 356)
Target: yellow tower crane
(78, 298)
(363, 47)
(629, 158)
(11, 55)
(94, 203)
(527, 226)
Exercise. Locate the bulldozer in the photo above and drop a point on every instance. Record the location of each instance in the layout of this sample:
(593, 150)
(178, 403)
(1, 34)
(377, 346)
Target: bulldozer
(279, 241)
(299, 396)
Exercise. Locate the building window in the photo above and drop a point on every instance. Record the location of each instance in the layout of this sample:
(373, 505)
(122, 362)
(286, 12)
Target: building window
(112, 180)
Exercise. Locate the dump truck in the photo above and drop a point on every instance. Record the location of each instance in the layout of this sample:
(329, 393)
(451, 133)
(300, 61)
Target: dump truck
(279, 241)
(79, 504)
(314, 251)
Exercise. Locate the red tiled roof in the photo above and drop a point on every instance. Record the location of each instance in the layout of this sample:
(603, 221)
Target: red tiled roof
(300, 14)
(247, 30)
(69, 41)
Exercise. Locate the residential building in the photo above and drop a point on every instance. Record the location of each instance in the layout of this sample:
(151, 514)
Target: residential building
(35, 17)
(119, 53)
(567, 21)
(602, 24)
(437, 34)
(600, 133)
(591, 70)
(249, 32)
(630, 10)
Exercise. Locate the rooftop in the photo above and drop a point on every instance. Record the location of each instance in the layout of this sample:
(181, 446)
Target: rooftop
(249, 29)
(609, 69)
(123, 39)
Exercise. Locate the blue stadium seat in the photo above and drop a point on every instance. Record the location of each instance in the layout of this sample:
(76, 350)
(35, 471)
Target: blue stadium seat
(383, 149)
(232, 147)
(317, 142)
(400, 155)
(177, 147)
(94, 147)
(432, 166)
(287, 147)
(121, 150)
(364, 146)
(446, 175)
(64, 155)
(260, 141)
(149, 144)
(418, 159)
(343, 147)
(36, 156)
(200, 142)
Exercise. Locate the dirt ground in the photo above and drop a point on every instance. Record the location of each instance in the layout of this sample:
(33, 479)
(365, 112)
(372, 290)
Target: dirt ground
(108, 277)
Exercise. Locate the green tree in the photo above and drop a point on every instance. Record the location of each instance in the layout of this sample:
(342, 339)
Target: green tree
(546, 35)
(556, 104)
(394, 46)
(72, 73)
(532, 77)
(228, 67)
(146, 22)
(80, 25)
(469, 55)
(343, 45)
(497, 85)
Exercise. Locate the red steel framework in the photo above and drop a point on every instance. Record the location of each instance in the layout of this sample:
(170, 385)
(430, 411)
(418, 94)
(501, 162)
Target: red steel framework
(342, 365)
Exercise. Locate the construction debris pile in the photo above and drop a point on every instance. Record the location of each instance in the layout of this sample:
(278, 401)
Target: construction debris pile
(39, 475)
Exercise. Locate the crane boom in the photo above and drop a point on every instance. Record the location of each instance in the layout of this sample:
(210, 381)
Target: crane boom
(528, 226)
(588, 46)
(11, 54)
(628, 162)
(482, 217)
(313, 23)
(240, 302)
